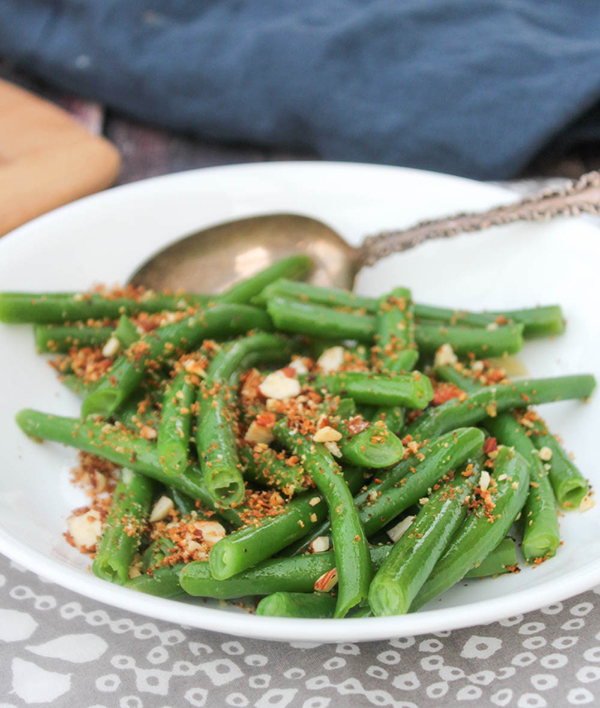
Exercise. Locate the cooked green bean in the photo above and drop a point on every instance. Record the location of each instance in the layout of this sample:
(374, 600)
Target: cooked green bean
(184, 504)
(499, 398)
(174, 431)
(538, 321)
(274, 575)
(483, 529)
(75, 384)
(541, 536)
(500, 341)
(291, 267)
(215, 435)
(413, 557)
(502, 559)
(349, 539)
(318, 321)
(398, 488)
(126, 331)
(121, 447)
(411, 390)
(307, 292)
(164, 582)
(59, 339)
(569, 485)
(395, 349)
(374, 447)
(269, 535)
(409, 481)
(127, 372)
(316, 605)
(392, 416)
(125, 524)
(55, 308)
(269, 468)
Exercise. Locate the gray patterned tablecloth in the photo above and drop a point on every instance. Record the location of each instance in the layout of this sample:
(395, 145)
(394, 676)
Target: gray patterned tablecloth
(63, 650)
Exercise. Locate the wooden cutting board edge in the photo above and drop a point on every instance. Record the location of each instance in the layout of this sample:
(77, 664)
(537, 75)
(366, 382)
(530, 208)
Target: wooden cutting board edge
(47, 159)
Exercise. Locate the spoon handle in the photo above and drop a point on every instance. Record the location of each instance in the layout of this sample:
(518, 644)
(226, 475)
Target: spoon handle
(570, 200)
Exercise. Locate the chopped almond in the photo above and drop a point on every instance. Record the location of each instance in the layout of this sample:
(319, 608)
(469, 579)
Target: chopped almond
(397, 531)
(259, 434)
(327, 434)
(163, 507)
(327, 581)
(319, 544)
(331, 359)
(279, 386)
(445, 355)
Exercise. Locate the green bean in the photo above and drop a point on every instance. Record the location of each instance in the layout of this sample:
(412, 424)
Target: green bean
(410, 480)
(570, 486)
(75, 384)
(541, 536)
(126, 331)
(174, 430)
(392, 416)
(349, 539)
(215, 435)
(163, 582)
(274, 575)
(126, 521)
(450, 374)
(184, 504)
(254, 543)
(398, 488)
(156, 552)
(291, 267)
(140, 410)
(500, 398)
(121, 447)
(59, 339)
(413, 557)
(482, 530)
(318, 321)
(411, 390)
(395, 350)
(538, 321)
(503, 340)
(307, 292)
(501, 560)
(268, 468)
(374, 447)
(316, 605)
(127, 372)
(55, 308)
(277, 575)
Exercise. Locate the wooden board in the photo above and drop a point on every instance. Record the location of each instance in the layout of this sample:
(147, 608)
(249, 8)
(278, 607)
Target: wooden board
(46, 158)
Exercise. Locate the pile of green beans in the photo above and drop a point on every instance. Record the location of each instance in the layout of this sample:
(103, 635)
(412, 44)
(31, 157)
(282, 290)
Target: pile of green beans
(335, 486)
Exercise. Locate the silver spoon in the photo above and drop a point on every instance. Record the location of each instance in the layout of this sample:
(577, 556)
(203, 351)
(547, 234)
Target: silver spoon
(215, 258)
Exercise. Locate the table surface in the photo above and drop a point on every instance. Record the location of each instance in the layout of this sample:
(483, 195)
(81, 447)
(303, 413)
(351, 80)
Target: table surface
(59, 649)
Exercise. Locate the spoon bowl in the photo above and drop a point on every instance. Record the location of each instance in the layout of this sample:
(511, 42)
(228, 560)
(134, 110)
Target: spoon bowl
(214, 259)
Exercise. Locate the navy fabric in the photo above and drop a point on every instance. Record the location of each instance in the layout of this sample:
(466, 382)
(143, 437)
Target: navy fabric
(470, 87)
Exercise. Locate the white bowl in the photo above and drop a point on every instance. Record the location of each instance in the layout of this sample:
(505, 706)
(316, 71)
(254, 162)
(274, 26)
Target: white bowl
(103, 238)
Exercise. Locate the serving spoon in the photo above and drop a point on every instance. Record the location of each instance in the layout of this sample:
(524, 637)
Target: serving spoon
(213, 259)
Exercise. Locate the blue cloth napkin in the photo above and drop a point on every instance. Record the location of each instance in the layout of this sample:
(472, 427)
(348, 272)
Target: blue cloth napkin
(470, 87)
